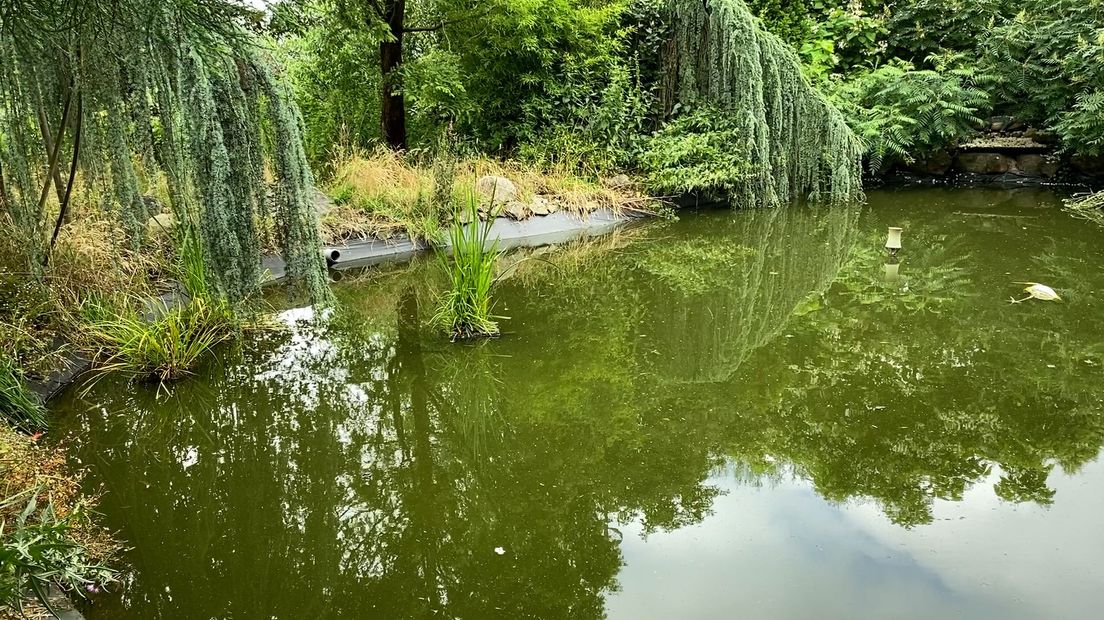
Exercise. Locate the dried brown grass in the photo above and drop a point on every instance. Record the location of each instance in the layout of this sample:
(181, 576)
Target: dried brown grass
(382, 193)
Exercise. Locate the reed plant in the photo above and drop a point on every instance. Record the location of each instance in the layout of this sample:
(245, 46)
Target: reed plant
(466, 310)
(162, 343)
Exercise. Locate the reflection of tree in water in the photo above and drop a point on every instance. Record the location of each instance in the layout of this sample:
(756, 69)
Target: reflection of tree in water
(917, 389)
(355, 467)
(345, 474)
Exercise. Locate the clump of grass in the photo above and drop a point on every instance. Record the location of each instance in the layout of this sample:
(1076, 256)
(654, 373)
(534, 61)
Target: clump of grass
(18, 406)
(156, 341)
(162, 344)
(466, 310)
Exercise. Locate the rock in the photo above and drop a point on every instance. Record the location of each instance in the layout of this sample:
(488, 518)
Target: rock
(539, 206)
(1088, 165)
(1041, 166)
(161, 224)
(984, 163)
(620, 181)
(498, 189)
(516, 210)
(1046, 137)
(937, 164)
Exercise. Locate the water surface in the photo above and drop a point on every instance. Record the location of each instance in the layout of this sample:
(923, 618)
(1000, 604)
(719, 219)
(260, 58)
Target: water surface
(736, 414)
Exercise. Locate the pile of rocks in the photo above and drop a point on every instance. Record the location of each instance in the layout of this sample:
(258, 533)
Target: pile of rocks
(1007, 147)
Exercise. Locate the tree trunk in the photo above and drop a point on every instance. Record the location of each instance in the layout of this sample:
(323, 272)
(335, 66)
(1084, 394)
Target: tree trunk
(393, 106)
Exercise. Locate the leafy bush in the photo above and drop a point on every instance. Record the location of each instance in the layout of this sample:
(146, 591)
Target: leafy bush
(37, 550)
(903, 113)
(1049, 58)
(700, 151)
(789, 19)
(605, 135)
(334, 73)
(531, 66)
(466, 309)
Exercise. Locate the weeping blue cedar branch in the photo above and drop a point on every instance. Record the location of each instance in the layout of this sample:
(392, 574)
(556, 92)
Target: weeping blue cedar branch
(180, 87)
(796, 143)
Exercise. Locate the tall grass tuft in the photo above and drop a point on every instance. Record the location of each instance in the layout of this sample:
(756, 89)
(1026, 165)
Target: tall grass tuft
(18, 406)
(466, 309)
(162, 347)
(156, 341)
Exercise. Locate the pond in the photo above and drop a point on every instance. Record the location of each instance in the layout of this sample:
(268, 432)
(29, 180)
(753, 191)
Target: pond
(738, 413)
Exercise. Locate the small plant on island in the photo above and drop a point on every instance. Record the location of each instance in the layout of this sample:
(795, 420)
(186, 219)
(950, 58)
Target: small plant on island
(466, 310)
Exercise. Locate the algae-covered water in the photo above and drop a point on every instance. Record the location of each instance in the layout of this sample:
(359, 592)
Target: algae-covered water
(749, 414)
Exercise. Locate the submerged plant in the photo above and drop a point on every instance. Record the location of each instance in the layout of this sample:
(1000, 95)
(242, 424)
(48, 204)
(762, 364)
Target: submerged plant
(1089, 207)
(466, 309)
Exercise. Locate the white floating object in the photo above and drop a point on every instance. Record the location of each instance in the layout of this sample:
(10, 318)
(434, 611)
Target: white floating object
(1038, 291)
(893, 243)
(500, 551)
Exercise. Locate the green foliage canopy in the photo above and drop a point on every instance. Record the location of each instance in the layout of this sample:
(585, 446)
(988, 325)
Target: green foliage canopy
(122, 90)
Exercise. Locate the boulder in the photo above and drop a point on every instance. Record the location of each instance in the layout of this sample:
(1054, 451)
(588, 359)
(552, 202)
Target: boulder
(620, 181)
(516, 210)
(984, 163)
(498, 189)
(937, 164)
(539, 206)
(1040, 166)
(322, 203)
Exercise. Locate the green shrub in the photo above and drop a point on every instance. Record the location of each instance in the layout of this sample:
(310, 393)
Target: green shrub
(37, 550)
(700, 151)
(466, 310)
(903, 113)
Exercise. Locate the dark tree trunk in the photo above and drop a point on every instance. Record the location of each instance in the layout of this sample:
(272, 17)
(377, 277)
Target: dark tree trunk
(393, 106)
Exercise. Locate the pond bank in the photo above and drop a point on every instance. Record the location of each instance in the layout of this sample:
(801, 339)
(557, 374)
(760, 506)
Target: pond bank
(558, 227)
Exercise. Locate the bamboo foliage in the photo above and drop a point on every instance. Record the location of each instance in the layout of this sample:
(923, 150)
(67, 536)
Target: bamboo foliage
(797, 143)
(122, 90)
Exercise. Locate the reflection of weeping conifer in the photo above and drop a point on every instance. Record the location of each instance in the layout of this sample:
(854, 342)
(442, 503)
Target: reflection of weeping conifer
(730, 306)
(118, 92)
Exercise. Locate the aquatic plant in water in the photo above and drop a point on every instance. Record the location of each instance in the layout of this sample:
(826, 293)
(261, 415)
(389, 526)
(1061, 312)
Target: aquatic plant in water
(796, 143)
(466, 309)
(163, 348)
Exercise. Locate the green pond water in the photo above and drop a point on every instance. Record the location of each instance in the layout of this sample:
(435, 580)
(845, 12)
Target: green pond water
(737, 414)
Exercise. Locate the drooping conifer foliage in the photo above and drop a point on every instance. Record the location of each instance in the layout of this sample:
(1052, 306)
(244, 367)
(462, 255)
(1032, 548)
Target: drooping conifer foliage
(113, 92)
(796, 143)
